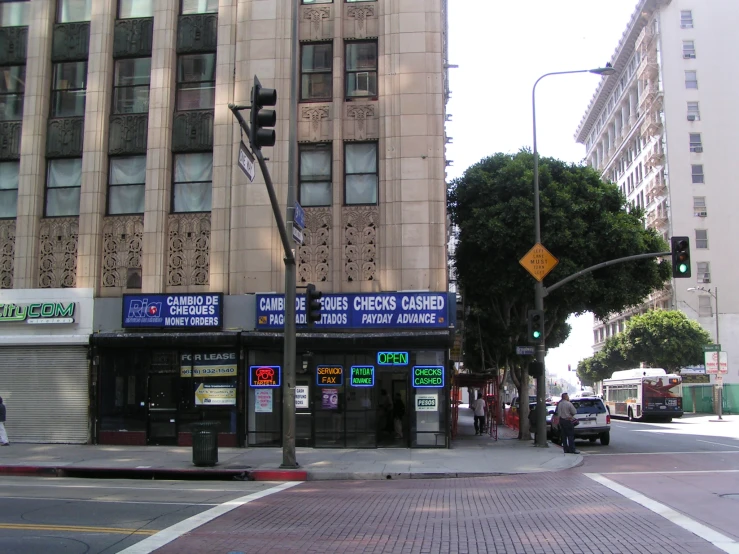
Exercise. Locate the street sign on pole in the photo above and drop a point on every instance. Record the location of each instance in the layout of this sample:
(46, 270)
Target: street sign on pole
(712, 348)
(299, 217)
(298, 235)
(525, 350)
(246, 162)
(538, 261)
(719, 380)
(717, 362)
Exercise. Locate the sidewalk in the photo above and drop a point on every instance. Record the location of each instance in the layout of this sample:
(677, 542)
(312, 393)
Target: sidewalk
(470, 456)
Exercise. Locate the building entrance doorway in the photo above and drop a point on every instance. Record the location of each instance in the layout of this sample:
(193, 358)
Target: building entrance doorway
(392, 404)
(162, 409)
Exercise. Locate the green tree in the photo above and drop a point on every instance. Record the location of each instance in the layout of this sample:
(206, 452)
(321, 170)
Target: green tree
(584, 221)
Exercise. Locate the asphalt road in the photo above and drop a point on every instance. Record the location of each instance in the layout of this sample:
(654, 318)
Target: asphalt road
(658, 487)
(76, 516)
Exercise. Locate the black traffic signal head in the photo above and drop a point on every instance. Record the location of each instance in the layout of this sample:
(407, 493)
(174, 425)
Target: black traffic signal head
(536, 369)
(261, 118)
(312, 304)
(680, 257)
(536, 326)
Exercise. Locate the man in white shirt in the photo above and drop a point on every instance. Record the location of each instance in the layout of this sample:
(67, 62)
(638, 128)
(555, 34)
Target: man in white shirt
(567, 412)
(479, 407)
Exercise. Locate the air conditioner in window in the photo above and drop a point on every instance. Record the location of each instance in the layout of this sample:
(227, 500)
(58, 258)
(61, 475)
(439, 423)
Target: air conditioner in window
(361, 83)
(706, 278)
(691, 117)
(686, 26)
(689, 56)
(697, 149)
(701, 214)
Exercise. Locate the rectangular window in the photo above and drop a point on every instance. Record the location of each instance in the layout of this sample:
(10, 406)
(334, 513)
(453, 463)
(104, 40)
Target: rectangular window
(68, 89)
(704, 272)
(15, 14)
(193, 178)
(69, 11)
(701, 238)
(697, 170)
(129, 9)
(691, 79)
(12, 89)
(316, 1)
(361, 69)
(199, 6)
(131, 85)
(63, 181)
(196, 82)
(705, 308)
(696, 145)
(688, 49)
(686, 19)
(694, 113)
(315, 175)
(316, 80)
(9, 189)
(699, 206)
(360, 173)
(126, 184)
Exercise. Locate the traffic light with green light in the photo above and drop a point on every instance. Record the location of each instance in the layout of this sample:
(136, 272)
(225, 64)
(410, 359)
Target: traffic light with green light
(680, 257)
(536, 326)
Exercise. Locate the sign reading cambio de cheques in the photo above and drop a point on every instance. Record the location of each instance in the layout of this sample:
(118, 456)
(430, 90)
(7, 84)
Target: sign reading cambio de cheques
(173, 311)
(361, 311)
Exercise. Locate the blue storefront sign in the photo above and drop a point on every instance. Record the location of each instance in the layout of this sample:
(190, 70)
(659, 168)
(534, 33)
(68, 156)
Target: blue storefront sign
(173, 311)
(408, 310)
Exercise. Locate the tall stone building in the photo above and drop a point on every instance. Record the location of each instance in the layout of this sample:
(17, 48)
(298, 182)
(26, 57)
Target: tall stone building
(119, 174)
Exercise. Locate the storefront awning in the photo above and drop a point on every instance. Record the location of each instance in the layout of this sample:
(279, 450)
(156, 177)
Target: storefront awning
(166, 339)
(354, 341)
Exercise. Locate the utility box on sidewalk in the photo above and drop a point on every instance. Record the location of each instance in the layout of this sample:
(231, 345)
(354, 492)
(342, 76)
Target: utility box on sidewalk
(205, 443)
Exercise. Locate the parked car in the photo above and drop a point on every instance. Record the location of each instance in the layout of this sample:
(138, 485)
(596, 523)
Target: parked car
(515, 401)
(595, 421)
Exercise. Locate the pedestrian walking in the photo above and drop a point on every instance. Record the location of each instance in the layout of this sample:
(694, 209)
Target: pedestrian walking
(398, 413)
(479, 407)
(3, 434)
(567, 412)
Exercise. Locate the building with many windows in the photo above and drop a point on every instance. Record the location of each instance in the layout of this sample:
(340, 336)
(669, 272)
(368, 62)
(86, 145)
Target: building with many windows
(121, 196)
(664, 129)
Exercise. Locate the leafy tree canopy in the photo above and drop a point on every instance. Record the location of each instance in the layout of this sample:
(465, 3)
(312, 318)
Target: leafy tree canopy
(584, 222)
(658, 338)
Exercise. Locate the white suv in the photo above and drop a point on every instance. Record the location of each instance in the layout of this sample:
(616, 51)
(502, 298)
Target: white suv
(595, 421)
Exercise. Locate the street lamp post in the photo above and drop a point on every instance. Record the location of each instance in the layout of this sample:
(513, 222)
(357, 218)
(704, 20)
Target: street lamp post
(541, 414)
(720, 392)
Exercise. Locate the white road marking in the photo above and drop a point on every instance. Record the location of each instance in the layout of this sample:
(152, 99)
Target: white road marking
(719, 540)
(719, 443)
(165, 536)
(594, 453)
(26, 485)
(154, 503)
(669, 472)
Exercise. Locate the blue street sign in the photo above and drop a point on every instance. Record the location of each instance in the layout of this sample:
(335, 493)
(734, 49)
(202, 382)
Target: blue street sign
(299, 217)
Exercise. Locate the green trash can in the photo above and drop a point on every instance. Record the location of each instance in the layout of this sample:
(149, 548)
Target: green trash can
(205, 443)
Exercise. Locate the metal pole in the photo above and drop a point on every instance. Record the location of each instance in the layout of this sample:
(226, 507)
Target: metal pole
(288, 388)
(541, 384)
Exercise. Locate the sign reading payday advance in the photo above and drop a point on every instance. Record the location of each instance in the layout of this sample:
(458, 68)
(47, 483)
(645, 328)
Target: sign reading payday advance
(209, 364)
(431, 376)
(38, 314)
(264, 376)
(215, 395)
(173, 311)
(329, 375)
(363, 376)
(425, 310)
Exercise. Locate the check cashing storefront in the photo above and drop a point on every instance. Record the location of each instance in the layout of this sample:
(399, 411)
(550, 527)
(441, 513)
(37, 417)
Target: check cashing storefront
(368, 353)
(44, 367)
(163, 362)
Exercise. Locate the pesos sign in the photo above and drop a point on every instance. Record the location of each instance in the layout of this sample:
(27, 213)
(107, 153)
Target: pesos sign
(538, 261)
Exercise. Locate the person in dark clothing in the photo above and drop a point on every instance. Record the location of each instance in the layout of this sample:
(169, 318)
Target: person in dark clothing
(3, 435)
(398, 413)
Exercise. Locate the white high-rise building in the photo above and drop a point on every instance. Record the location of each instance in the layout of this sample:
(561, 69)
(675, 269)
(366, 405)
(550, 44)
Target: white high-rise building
(664, 128)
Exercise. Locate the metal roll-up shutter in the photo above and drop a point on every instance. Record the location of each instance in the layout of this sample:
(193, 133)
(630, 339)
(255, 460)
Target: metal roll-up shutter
(45, 390)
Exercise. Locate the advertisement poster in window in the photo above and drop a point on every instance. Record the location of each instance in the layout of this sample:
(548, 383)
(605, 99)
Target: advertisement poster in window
(215, 395)
(263, 401)
(301, 397)
(330, 399)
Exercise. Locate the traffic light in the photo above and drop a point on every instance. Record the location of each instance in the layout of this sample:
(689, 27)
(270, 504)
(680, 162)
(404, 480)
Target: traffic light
(261, 118)
(312, 304)
(536, 326)
(680, 257)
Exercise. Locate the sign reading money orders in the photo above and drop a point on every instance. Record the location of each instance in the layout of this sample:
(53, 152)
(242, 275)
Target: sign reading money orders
(428, 376)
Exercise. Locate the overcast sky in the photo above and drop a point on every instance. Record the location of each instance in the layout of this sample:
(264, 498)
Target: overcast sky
(501, 48)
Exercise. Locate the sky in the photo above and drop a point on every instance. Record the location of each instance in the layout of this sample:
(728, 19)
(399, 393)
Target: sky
(502, 47)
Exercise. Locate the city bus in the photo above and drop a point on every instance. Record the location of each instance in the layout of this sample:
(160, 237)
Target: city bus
(647, 392)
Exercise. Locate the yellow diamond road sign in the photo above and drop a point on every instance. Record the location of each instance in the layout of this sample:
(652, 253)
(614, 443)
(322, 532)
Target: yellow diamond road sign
(538, 261)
